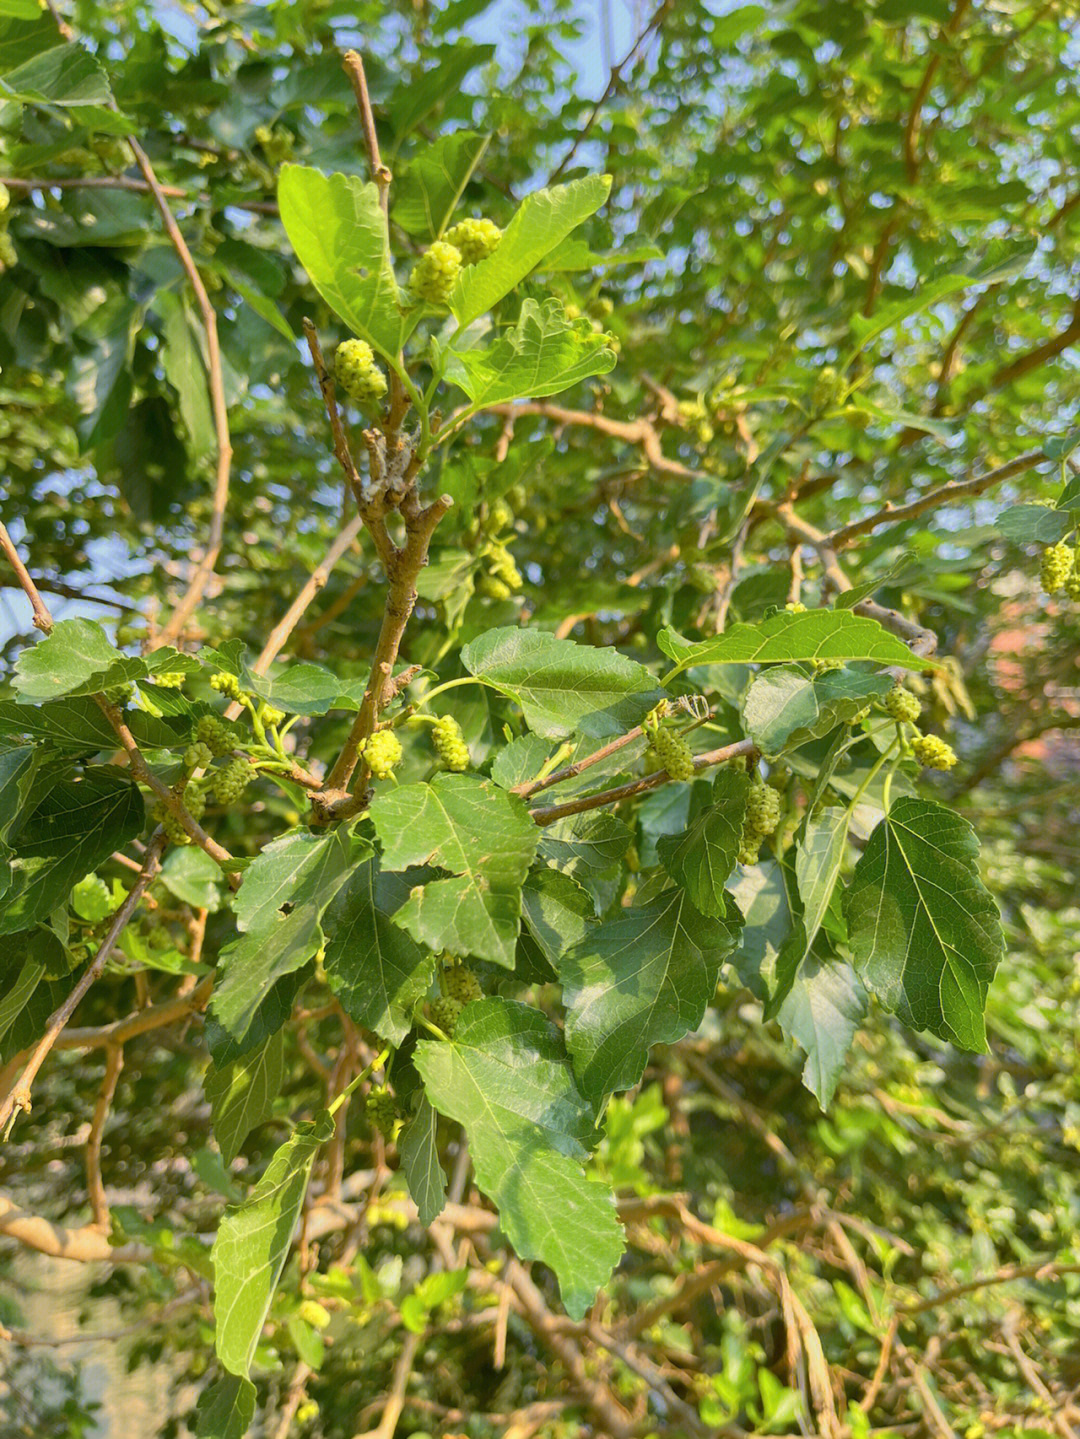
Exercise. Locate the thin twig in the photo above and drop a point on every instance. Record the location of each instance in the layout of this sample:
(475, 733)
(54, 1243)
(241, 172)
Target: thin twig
(43, 620)
(19, 1097)
(99, 1200)
(354, 67)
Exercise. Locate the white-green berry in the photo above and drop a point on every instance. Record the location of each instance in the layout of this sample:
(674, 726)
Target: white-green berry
(358, 375)
(902, 705)
(450, 743)
(673, 753)
(382, 753)
(932, 752)
(1056, 565)
(168, 679)
(231, 780)
(198, 755)
(435, 273)
(476, 239)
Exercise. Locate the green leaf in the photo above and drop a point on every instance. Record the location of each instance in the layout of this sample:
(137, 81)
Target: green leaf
(79, 724)
(784, 708)
(242, 1094)
(485, 837)
(865, 588)
(336, 226)
(558, 912)
(544, 219)
(182, 359)
(226, 1409)
(78, 658)
(1034, 524)
(1061, 446)
(944, 430)
(193, 877)
(66, 75)
(376, 970)
(788, 637)
(577, 254)
(419, 1152)
(584, 842)
(17, 770)
(701, 858)
(563, 687)
(253, 1242)
(504, 1076)
(821, 1013)
(543, 354)
(77, 825)
(99, 380)
(427, 192)
(924, 933)
(642, 978)
(299, 868)
(264, 308)
(819, 855)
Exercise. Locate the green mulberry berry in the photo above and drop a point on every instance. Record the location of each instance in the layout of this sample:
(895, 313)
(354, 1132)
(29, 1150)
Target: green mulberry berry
(501, 565)
(5, 198)
(231, 780)
(902, 705)
(120, 694)
(270, 714)
(476, 239)
(461, 984)
(226, 684)
(194, 803)
(793, 607)
(673, 752)
(358, 374)
(493, 588)
(1072, 579)
(749, 849)
(167, 679)
(198, 755)
(213, 732)
(1055, 567)
(932, 752)
(435, 273)
(763, 807)
(381, 1111)
(444, 1014)
(450, 743)
(382, 753)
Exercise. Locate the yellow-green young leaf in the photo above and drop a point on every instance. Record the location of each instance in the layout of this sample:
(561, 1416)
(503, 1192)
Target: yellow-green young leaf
(426, 192)
(543, 354)
(784, 708)
(788, 637)
(253, 1242)
(485, 837)
(226, 1409)
(563, 687)
(640, 979)
(504, 1077)
(78, 658)
(543, 221)
(925, 934)
(336, 226)
(703, 855)
(242, 1094)
(419, 1152)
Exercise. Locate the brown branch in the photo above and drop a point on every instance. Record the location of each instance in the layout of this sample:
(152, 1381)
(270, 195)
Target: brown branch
(201, 578)
(43, 620)
(641, 432)
(89, 182)
(914, 118)
(99, 1201)
(550, 813)
(559, 776)
(1040, 1269)
(66, 32)
(935, 499)
(87, 1245)
(19, 1097)
(354, 67)
(1038, 356)
(143, 1021)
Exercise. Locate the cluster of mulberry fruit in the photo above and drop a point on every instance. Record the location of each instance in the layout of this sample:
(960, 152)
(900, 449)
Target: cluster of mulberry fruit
(381, 1111)
(902, 705)
(671, 752)
(358, 375)
(931, 751)
(444, 1014)
(168, 679)
(450, 743)
(436, 272)
(475, 240)
(231, 779)
(382, 753)
(217, 734)
(761, 818)
(461, 984)
(1060, 570)
(194, 803)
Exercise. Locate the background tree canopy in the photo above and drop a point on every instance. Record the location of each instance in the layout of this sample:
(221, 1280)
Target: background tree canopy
(540, 878)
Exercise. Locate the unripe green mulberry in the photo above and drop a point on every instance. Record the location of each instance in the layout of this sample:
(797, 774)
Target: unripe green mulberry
(216, 734)
(462, 984)
(500, 515)
(749, 848)
(358, 374)
(381, 1111)
(382, 753)
(932, 752)
(475, 239)
(450, 743)
(1072, 579)
(444, 1014)
(270, 714)
(493, 589)
(5, 198)
(902, 705)
(194, 803)
(794, 607)
(226, 684)
(763, 807)
(231, 780)
(673, 752)
(1055, 567)
(167, 679)
(198, 755)
(435, 273)
(502, 566)
(9, 256)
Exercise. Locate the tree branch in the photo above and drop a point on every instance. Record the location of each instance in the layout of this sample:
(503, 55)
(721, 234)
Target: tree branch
(99, 1200)
(87, 1245)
